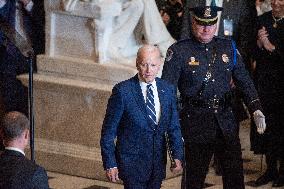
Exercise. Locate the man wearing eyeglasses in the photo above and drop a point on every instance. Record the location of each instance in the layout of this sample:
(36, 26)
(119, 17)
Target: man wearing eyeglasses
(141, 115)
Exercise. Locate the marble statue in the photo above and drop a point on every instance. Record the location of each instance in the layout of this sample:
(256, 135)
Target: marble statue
(122, 26)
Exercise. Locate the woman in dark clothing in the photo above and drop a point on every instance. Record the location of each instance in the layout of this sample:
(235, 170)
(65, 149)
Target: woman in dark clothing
(269, 83)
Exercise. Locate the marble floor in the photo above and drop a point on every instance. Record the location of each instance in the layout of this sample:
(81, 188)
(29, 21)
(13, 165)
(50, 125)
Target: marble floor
(252, 170)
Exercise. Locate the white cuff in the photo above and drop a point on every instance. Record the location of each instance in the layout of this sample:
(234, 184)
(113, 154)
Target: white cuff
(111, 168)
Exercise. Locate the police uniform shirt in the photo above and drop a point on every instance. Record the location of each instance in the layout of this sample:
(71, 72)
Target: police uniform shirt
(188, 62)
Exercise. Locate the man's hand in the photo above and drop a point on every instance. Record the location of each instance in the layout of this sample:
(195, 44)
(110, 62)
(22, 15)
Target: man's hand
(259, 120)
(112, 174)
(177, 168)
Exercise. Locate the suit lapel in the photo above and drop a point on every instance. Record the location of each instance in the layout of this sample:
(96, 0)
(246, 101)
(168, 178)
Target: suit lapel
(162, 98)
(137, 93)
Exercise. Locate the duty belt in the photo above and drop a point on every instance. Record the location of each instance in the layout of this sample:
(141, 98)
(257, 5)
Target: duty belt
(213, 103)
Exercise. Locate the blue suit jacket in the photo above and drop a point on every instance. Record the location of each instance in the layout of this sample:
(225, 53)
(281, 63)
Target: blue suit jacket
(140, 148)
(17, 172)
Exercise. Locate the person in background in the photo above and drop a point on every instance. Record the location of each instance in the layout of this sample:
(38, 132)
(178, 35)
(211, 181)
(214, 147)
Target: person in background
(165, 16)
(16, 171)
(27, 18)
(174, 8)
(268, 75)
(262, 6)
(201, 67)
(141, 115)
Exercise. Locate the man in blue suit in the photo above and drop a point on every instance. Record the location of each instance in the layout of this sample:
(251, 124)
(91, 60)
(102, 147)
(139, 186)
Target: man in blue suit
(140, 113)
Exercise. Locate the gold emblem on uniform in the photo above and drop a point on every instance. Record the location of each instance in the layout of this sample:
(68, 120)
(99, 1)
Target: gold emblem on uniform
(193, 62)
(225, 58)
(207, 12)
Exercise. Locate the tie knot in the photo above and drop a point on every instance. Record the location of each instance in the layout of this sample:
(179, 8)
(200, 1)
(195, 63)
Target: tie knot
(149, 86)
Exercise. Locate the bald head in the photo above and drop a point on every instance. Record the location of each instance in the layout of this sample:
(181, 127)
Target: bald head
(148, 62)
(146, 51)
(14, 124)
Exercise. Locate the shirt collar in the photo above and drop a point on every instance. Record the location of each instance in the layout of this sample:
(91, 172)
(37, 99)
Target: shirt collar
(203, 45)
(15, 149)
(144, 84)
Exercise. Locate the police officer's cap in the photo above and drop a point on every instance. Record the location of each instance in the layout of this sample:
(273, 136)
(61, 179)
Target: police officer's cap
(206, 15)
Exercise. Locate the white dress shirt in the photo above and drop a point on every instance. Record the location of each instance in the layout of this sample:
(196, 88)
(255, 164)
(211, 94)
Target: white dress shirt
(15, 149)
(143, 86)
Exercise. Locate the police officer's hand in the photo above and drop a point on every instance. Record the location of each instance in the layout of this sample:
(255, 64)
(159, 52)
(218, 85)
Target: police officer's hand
(259, 120)
(112, 174)
(177, 168)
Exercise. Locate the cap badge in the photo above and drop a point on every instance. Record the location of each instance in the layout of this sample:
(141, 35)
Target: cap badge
(207, 12)
(225, 58)
(193, 62)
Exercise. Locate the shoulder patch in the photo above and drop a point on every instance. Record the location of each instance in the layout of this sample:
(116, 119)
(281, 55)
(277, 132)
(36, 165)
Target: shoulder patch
(169, 54)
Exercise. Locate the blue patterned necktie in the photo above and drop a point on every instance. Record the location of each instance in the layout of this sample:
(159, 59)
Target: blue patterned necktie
(150, 104)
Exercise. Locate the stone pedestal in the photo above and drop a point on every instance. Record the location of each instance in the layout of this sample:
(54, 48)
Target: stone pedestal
(71, 91)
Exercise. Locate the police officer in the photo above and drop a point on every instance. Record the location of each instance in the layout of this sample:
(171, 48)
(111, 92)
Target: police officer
(202, 68)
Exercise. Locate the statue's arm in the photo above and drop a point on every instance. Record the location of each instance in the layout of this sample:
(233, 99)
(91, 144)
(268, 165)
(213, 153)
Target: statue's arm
(69, 5)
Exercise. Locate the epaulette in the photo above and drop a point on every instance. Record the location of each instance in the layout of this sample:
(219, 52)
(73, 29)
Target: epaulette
(179, 42)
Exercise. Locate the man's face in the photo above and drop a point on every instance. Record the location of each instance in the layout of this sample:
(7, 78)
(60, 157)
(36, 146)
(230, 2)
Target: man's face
(148, 65)
(204, 34)
(277, 7)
